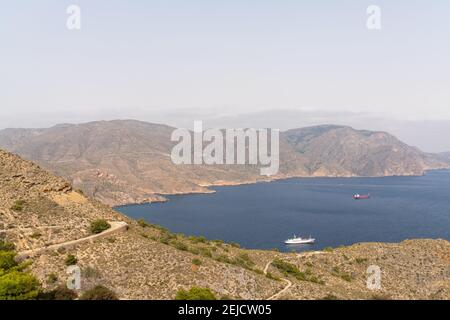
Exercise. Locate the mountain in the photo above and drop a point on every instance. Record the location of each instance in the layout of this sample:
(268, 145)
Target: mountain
(342, 151)
(120, 162)
(444, 156)
(48, 221)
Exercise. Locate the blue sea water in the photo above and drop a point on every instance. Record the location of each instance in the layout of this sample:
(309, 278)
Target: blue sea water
(263, 215)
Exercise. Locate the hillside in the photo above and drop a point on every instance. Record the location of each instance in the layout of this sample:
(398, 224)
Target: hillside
(41, 213)
(444, 156)
(343, 151)
(121, 162)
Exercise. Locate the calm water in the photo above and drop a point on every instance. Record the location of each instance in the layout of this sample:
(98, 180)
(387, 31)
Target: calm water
(263, 215)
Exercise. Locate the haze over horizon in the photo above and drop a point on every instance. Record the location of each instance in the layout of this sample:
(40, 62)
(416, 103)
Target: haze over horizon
(284, 65)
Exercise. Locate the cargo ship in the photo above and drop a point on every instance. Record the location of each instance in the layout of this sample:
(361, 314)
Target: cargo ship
(361, 196)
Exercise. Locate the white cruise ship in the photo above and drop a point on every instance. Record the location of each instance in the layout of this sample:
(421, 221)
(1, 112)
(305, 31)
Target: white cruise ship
(298, 240)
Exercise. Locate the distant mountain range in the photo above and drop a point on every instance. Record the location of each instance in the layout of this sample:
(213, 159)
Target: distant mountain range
(127, 161)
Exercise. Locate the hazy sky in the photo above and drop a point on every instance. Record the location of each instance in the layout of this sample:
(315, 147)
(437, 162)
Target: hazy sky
(171, 61)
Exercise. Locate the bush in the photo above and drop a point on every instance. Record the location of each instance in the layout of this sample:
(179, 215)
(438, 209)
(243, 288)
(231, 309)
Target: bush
(180, 246)
(99, 293)
(60, 293)
(142, 223)
(196, 262)
(52, 278)
(343, 275)
(195, 293)
(99, 226)
(16, 285)
(7, 260)
(199, 239)
(18, 205)
(6, 246)
(272, 277)
(290, 269)
(71, 260)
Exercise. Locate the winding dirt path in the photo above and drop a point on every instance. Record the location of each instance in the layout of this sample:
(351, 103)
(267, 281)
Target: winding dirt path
(116, 226)
(279, 293)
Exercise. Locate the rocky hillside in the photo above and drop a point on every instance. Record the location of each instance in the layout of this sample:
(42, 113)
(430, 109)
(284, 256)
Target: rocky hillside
(343, 151)
(120, 162)
(42, 215)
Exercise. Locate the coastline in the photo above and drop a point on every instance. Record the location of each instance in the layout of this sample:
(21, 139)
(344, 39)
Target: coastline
(162, 197)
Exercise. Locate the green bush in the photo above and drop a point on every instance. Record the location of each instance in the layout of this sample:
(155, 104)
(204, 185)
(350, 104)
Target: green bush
(52, 278)
(17, 285)
(6, 246)
(60, 293)
(99, 293)
(343, 275)
(196, 261)
(272, 277)
(99, 226)
(195, 293)
(71, 260)
(180, 246)
(290, 269)
(7, 260)
(143, 223)
(199, 239)
(18, 205)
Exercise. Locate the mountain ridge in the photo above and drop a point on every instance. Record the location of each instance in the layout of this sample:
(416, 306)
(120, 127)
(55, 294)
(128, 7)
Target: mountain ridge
(128, 161)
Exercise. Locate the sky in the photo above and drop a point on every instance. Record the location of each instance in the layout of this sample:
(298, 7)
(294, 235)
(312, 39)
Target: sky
(284, 63)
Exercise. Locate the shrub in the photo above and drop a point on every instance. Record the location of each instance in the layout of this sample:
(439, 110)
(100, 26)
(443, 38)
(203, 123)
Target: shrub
(244, 260)
(360, 260)
(99, 226)
(224, 259)
(205, 252)
(290, 269)
(36, 235)
(7, 260)
(143, 223)
(199, 239)
(235, 245)
(60, 293)
(180, 246)
(272, 277)
(196, 262)
(17, 285)
(99, 293)
(195, 293)
(18, 205)
(52, 278)
(6, 246)
(341, 274)
(71, 260)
